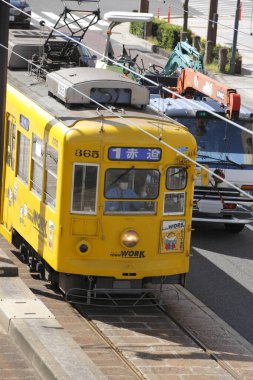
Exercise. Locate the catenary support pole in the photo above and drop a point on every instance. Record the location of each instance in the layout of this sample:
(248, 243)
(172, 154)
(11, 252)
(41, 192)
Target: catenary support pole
(236, 24)
(212, 22)
(144, 8)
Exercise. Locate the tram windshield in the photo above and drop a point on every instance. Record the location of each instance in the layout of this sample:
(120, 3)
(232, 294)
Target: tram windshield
(218, 139)
(137, 188)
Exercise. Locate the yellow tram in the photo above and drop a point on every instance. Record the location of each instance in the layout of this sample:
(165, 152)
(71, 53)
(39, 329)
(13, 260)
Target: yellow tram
(97, 195)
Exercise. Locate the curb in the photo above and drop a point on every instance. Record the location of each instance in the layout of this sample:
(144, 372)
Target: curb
(214, 316)
(51, 350)
(7, 268)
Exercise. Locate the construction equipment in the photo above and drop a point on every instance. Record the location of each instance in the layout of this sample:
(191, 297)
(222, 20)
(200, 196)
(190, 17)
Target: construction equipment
(110, 60)
(193, 84)
(184, 55)
(59, 50)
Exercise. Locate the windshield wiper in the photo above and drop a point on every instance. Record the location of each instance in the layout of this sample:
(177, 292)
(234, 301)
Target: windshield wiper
(220, 160)
(233, 162)
(205, 156)
(121, 175)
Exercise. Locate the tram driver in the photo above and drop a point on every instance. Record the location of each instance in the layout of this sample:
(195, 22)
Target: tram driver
(122, 190)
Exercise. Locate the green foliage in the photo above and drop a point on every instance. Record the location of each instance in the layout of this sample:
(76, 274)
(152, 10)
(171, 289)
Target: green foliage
(214, 65)
(166, 35)
(137, 28)
(155, 26)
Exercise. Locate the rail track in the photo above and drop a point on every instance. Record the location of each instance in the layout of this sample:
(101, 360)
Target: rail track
(166, 327)
(135, 343)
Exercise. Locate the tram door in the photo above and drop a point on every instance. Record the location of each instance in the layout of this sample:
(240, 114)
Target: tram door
(9, 168)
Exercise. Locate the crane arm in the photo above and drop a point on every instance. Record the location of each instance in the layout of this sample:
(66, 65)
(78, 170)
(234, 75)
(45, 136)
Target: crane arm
(191, 81)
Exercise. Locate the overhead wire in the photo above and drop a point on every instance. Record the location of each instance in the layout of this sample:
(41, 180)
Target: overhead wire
(207, 19)
(218, 24)
(137, 74)
(131, 123)
(166, 89)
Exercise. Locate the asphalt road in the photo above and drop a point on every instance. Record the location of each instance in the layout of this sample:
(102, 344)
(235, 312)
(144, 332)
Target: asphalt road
(220, 275)
(111, 5)
(221, 264)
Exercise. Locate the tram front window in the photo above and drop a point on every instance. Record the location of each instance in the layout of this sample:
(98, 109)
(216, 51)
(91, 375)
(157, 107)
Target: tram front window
(131, 190)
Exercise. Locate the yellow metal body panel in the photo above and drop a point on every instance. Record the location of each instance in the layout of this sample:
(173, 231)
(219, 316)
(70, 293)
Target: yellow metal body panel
(106, 256)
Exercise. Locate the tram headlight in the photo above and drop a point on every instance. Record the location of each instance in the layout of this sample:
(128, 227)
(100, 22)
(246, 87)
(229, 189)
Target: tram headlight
(129, 238)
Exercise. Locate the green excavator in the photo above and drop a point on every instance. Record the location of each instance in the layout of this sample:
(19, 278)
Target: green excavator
(183, 56)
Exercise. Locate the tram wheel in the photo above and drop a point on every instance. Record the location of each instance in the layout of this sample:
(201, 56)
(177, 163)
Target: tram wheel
(24, 255)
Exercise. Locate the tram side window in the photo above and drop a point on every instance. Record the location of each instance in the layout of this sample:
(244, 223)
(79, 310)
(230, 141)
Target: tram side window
(23, 157)
(51, 175)
(84, 193)
(174, 201)
(11, 144)
(38, 151)
(176, 178)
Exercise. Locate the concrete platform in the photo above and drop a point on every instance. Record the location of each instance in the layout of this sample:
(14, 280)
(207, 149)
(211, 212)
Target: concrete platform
(7, 268)
(50, 349)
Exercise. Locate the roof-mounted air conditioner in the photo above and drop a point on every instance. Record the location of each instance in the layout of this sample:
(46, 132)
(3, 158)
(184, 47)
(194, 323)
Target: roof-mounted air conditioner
(81, 85)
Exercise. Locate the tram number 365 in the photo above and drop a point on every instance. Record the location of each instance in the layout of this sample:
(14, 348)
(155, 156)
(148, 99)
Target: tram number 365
(87, 153)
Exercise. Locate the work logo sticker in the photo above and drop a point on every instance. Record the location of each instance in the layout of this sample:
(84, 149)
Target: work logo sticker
(129, 254)
(172, 236)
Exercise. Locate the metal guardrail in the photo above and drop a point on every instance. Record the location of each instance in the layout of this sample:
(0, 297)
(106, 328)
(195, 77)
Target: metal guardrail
(117, 297)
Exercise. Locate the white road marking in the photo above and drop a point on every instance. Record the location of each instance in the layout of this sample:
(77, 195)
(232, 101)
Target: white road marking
(100, 22)
(40, 18)
(85, 23)
(53, 16)
(249, 227)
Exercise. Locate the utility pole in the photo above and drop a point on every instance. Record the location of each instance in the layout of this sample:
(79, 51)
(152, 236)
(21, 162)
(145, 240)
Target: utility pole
(212, 22)
(186, 16)
(232, 62)
(144, 8)
(4, 37)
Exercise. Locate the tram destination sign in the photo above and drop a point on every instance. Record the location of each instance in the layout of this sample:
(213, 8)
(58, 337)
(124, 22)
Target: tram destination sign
(134, 154)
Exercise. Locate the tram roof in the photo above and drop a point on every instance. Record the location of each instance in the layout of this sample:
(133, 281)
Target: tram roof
(37, 91)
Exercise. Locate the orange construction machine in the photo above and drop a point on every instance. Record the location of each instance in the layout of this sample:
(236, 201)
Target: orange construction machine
(192, 83)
